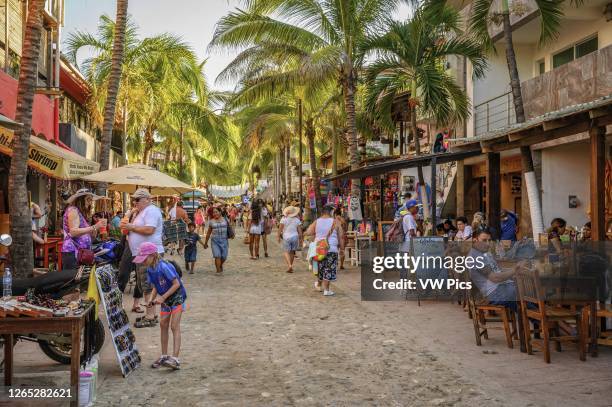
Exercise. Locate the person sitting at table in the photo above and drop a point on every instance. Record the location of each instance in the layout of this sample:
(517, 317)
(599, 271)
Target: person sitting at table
(495, 284)
(557, 233)
(464, 231)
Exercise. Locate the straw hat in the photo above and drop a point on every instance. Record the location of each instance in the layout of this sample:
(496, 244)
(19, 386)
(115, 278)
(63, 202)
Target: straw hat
(82, 192)
(291, 211)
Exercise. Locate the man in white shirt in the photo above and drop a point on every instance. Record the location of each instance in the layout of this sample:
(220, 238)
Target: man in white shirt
(147, 226)
(409, 224)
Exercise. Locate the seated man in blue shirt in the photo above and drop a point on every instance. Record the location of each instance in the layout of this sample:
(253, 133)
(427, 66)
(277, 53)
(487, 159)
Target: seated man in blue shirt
(509, 222)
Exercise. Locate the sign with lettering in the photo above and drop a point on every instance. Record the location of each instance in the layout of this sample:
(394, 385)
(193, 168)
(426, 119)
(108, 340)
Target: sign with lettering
(50, 159)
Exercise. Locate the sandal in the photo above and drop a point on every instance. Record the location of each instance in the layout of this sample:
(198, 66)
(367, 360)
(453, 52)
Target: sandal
(157, 364)
(137, 310)
(266, 254)
(145, 323)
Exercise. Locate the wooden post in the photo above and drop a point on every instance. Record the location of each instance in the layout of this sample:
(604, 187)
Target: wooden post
(401, 138)
(598, 189)
(493, 193)
(434, 193)
(382, 197)
(460, 178)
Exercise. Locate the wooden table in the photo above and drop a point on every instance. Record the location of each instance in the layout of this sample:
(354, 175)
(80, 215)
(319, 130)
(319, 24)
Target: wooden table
(71, 324)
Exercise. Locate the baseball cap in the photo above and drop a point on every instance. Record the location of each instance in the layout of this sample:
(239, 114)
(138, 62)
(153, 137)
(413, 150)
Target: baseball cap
(141, 193)
(411, 203)
(145, 249)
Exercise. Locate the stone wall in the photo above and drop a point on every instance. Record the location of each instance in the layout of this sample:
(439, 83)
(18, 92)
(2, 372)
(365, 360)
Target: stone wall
(579, 81)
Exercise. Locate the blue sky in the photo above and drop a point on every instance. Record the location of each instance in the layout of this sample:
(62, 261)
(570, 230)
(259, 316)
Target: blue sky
(193, 20)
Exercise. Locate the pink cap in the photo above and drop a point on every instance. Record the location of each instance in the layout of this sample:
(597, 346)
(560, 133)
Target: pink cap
(145, 249)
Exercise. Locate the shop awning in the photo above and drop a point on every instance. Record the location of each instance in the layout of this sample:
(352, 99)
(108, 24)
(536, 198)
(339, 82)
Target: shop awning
(397, 164)
(9, 123)
(50, 159)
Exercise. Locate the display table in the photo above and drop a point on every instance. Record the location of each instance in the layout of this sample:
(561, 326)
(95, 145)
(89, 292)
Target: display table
(71, 324)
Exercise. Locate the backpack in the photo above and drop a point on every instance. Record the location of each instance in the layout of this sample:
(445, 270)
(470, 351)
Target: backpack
(396, 231)
(178, 269)
(322, 246)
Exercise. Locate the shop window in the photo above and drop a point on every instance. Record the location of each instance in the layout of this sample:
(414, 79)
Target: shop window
(579, 50)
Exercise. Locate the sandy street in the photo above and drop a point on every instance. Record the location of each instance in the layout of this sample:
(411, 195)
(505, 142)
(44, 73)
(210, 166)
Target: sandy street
(258, 336)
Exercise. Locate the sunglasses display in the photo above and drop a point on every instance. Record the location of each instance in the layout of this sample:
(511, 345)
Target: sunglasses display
(124, 340)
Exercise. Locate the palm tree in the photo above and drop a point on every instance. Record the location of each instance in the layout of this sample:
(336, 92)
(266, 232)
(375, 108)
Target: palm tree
(410, 58)
(332, 30)
(21, 217)
(162, 87)
(113, 86)
(483, 15)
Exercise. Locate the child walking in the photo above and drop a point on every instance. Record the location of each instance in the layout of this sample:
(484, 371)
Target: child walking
(169, 292)
(191, 248)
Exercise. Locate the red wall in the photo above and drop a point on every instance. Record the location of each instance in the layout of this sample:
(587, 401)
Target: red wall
(42, 114)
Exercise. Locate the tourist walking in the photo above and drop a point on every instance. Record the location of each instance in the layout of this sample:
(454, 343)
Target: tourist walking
(218, 233)
(338, 215)
(146, 227)
(329, 229)
(78, 234)
(255, 226)
(198, 218)
(191, 249)
(290, 230)
(267, 225)
(126, 266)
(169, 292)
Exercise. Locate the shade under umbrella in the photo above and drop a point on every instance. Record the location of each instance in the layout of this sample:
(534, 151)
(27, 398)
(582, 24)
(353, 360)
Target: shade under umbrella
(133, 176)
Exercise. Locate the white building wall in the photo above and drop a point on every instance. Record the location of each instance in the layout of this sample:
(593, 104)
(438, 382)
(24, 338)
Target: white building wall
(565, 172)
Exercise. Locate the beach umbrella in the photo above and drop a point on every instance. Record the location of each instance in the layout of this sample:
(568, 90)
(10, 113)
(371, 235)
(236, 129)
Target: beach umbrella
(133, 176)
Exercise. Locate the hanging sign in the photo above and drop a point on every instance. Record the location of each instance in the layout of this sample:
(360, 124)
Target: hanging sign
(355, 208)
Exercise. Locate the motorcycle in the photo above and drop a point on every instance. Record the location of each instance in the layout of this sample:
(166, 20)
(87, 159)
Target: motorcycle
(56, 284)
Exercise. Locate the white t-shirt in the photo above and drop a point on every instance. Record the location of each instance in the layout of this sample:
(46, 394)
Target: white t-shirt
(172, 213)
(150, 216)
(408, 224)
(290, 229)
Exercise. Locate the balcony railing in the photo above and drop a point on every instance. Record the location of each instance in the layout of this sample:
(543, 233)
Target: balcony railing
(580, 81)
(494, 114)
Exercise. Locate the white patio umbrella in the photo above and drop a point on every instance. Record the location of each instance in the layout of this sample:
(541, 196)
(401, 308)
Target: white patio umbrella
(133, 176)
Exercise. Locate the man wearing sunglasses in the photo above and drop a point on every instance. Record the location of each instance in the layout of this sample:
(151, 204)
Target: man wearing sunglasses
(146, 226)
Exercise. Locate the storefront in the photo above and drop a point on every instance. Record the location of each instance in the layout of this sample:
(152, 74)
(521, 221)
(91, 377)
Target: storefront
(51, 170)
(510, 185)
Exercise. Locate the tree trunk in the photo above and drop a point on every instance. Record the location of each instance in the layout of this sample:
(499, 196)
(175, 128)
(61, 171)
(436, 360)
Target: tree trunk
(282, 170)
(314, 171)
(420, 176)
(21, 218)
(351, 130)
(149, 144)
(530, 221)
(288, 169)
(335, 154)
(181, 141)
(113, 88)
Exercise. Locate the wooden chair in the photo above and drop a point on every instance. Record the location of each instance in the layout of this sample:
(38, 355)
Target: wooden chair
(604, 336)
(484, 314)
(533, 307)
